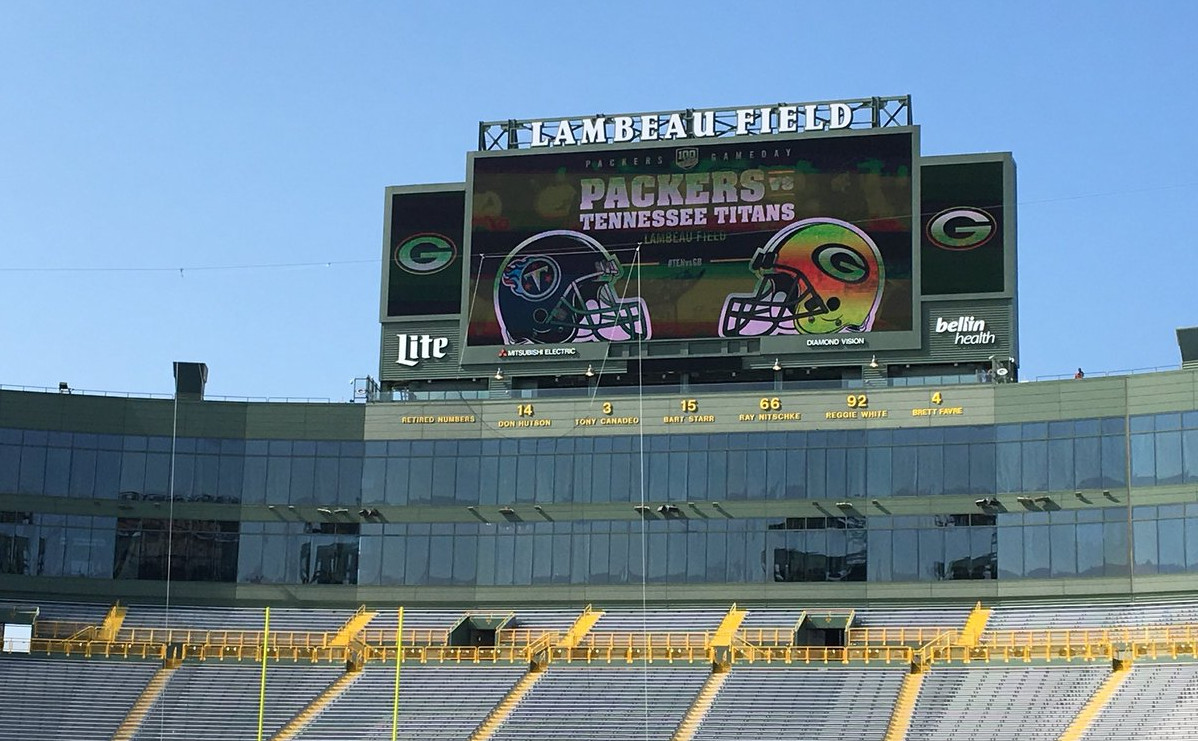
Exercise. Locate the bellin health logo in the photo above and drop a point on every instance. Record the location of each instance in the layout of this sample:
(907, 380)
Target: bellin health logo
(969, 331)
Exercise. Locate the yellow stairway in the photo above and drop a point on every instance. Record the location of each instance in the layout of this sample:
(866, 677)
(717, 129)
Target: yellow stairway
(137, 714)
(900, 719)
(352, 627)
(1097, 702)
(500, 712)
(317, 706)
(580, 628)
(974, 625)
(698, 709)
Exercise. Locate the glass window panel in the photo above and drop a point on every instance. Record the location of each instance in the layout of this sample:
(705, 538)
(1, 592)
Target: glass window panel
(796, 474)
(1144, 540)
(374, 478)
(905, 561)
(775, 473)
(879, 556)
(1168, 458)
(488, 480)
(32, 477)
(10, 467)
(1010, 467)
(1090, 549)
(58, 472)
(509, 482)
(736, 563)
(737, 488)
(349, 480)
(956, 467)
(1171, 545)
(817, 473)
(1063, 549)
(542, 554)
(485, 570)
(1060, 465)
(420, 481)
(835, 473)
(903, 473)
(931, 474)
(1114, 462)
(600, 550)
(717, 474)
(1036, 550)
(542, 475)
(466, 479)
(303, 474)
(582, 480)
(416, 548)
(396, 487)
(618, 553)
(83, 473)
(444, 485)
(505, 554)
(877, 475)
(958, 562)
(601, 484)
(1143, 460)
(717, 547)
(278, 478)
(1034, 461)
(855, 472)
(1142, 423)
(525, 465)
(1189, 455)
(982, 471)
(561, 553)
(1034, 430)
(755, 571)
(1191, 537)
(696, 553)
(931, 554)
(253, 480)
(1087, 463)
(755, 475)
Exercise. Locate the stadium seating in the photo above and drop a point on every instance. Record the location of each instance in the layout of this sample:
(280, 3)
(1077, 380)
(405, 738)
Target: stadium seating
(436, 702)
(53, 699)
(1001, 704)
(1156, 701)
(810, 704)
(633, 675)
(602, 703)
(220, 701)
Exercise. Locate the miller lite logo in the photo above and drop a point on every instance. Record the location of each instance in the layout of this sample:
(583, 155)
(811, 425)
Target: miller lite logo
(686, 158)
(416, 347)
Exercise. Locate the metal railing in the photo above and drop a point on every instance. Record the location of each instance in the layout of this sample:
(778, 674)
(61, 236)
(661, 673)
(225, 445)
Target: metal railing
(880, 635)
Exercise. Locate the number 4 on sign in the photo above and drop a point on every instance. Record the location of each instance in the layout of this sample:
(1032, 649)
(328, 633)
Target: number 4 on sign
(936, 397)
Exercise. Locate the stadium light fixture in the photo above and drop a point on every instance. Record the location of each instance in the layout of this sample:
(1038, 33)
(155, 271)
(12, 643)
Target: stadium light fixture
(590, 371)
(64, 387)
(777, 366)
(873, 362)
(844, 505)
(499, 374)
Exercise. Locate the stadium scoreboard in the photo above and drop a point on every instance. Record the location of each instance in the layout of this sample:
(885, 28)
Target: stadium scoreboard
(793, 235)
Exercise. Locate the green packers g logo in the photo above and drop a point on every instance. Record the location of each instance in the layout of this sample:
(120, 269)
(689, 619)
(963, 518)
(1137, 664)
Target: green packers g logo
(961, 228)
(424, 254)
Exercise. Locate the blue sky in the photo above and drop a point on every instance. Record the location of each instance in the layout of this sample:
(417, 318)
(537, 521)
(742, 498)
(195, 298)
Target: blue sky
(137, 138)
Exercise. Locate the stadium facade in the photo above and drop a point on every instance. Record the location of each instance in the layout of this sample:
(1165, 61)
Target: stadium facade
(693, 356)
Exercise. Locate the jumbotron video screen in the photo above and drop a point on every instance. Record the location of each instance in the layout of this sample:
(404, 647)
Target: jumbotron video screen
(775, 236)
